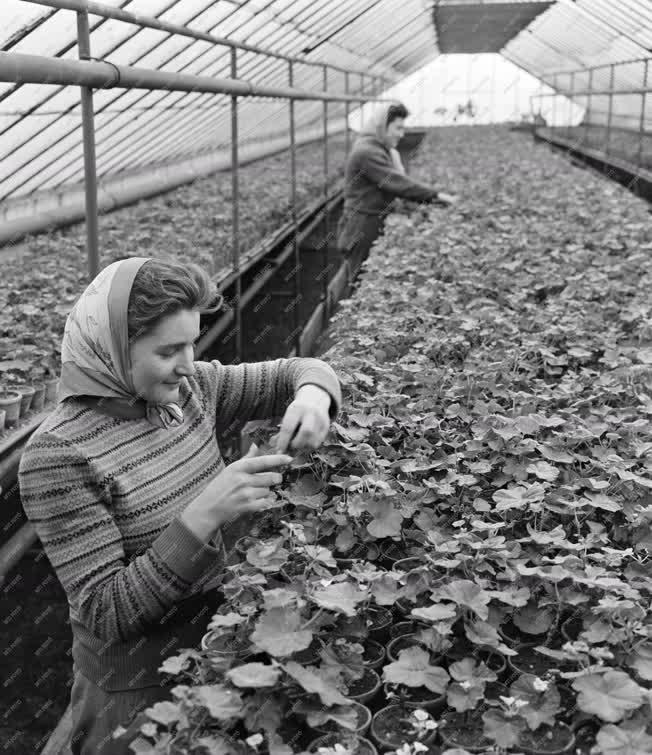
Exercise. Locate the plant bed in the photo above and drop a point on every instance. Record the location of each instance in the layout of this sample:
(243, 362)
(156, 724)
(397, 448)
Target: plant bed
(394, 551)
(514, 636)
(395, 724)
(464, 730)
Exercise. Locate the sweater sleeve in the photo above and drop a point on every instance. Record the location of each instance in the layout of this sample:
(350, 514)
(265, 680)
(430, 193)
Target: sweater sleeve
(69, 509)
(382, 172)
(258, 390)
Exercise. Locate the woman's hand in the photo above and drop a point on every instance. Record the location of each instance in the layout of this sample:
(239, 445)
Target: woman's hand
(243, 486)
(306, 421)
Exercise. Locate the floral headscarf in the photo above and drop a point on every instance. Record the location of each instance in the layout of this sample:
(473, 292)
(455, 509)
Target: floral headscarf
(95, 348)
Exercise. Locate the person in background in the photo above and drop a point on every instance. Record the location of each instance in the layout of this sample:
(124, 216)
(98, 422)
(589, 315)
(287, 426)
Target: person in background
(374, 177)
(127, 489)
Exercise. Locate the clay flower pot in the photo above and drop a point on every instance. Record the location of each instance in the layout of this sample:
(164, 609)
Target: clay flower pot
(365, 689)
(38, 400)
(359, 745)
(389, 729)
(10, 403)
(27, 394)
(51, 385)
(364, 721)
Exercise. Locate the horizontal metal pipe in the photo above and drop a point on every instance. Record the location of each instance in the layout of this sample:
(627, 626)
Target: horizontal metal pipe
(37, 69)
(141, 187)
(587, 92)
(150, 22)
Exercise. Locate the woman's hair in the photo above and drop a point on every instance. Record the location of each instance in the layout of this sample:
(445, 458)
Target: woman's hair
(163, 288)
(396, 111)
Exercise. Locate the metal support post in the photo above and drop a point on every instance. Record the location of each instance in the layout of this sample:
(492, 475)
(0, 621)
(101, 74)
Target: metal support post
(347, 111)
(611, 108)
(293, 208)
(570, 106)
(325, 254)
(90, 170)
(235, 209)
(641, 125)
(587, 113)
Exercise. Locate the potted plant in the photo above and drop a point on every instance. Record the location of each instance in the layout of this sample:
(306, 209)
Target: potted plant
(10, 401)
(338, 743)
(395, 725)
(416, 681)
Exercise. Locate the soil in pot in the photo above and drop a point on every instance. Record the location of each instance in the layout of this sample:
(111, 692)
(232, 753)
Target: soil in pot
(513, 636)
(185, 743)
(409, 641)
(399, 550)
(585, 734)
(359, 745)
(10, 403)
(227, 645)
(416, 697)
(405, 606)
(548, 740)
(363, 722)
(571, 628)
(364, 689)
(405, 627)
(360, 552)
(309, 655)
(374, 654)
(392, 726)
(464, 730)
(529, 661)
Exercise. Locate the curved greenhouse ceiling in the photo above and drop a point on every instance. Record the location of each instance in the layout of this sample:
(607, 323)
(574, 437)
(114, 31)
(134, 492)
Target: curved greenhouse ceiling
(382, 42)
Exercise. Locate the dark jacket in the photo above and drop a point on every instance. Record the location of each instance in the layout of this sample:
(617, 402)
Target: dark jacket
(372, 180)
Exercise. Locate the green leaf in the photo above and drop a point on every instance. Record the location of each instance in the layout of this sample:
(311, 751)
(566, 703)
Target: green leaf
(387, 519)
(468, 594)
(254, 675)
(542, 704)
(543, 471)
(641, 661)
(166, 713)
(342, 597)
(278, 632)
(222, 703)
(413, 669)
(268, 557)
(435, 612)
(311, 680)
(504, 731)
(532, 619)
(610, 696)
(627, 739)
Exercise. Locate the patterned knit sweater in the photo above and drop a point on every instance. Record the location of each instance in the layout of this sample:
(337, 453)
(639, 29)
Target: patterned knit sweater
(104, 495)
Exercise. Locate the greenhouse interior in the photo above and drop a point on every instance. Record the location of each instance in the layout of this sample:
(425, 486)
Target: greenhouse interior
(326, 377)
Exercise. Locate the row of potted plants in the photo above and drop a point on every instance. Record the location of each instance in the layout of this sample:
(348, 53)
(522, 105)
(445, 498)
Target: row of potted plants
(18, 398)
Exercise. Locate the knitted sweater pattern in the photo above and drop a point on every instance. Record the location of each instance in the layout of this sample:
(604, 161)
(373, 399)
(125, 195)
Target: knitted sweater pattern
(104, 495)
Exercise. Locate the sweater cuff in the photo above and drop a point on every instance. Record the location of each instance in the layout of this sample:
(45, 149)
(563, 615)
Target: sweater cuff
(184, 553)
(327, 382)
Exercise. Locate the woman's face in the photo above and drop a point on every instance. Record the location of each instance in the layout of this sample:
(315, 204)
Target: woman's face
(164, 356)
(395, 131)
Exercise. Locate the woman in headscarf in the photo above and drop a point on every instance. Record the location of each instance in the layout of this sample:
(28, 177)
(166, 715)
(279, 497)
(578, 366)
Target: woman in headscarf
(126, 487)
(374, 177)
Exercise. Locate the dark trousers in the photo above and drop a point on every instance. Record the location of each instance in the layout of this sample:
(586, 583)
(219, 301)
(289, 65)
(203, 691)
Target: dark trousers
(96, 713)
(356, 234)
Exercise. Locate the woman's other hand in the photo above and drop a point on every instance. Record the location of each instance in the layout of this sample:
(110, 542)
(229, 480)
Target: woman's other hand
(306, 421)
(241, 487)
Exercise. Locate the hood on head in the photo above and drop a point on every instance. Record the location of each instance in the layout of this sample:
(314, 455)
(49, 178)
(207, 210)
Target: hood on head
(376, 125)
